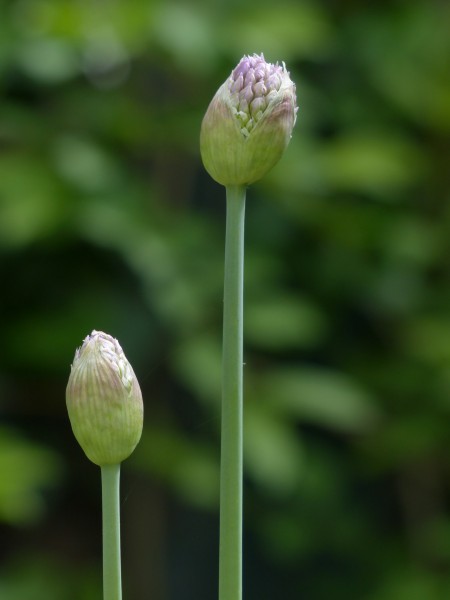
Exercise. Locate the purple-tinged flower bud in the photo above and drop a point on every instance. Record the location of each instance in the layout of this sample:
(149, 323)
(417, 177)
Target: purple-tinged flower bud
(258, 106)
(104, 400)
(249, 122)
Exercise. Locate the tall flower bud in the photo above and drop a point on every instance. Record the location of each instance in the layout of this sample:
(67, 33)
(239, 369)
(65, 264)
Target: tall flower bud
(249, 122)
(104, 400)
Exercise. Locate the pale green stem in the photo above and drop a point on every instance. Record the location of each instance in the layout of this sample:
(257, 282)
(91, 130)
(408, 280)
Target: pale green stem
(230, 551)
(112, 579)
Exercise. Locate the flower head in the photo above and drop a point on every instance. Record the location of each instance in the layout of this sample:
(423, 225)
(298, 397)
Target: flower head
(104, 400)
(249, 122)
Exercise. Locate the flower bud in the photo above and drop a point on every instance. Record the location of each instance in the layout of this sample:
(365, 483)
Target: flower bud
(249, 122)
(104, 400)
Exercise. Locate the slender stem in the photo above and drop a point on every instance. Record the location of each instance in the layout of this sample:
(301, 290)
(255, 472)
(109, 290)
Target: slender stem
(112, 579)
(230, 550)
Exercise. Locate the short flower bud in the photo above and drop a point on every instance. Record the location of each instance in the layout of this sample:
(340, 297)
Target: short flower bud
(104, 400)
(249, 122)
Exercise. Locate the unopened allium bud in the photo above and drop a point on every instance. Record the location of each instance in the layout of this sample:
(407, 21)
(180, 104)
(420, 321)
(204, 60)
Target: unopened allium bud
(104, 400)
(249, 122)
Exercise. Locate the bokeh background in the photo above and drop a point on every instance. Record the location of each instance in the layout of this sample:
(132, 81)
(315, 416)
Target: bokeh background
(108, 221)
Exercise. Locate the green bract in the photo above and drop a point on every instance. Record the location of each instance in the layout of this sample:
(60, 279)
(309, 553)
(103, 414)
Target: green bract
(104, 400)
(249, 122)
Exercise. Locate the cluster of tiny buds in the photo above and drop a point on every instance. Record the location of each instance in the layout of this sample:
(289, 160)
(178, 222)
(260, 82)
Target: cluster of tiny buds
(112, 352)
(252, 85)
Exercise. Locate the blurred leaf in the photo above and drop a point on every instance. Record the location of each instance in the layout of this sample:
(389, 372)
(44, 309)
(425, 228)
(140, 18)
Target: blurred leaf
(273, 454)
(198, 362)
(408, 53)
(26, 470)
(283, 322)
(412, 239)
(371, 163)
(428, 338)
(85, 165)
(191, 469)
(319, 396)
(42, 578)
(193, 46)
(48, 60)
(299, 30)
(32, 202)
(409, 584)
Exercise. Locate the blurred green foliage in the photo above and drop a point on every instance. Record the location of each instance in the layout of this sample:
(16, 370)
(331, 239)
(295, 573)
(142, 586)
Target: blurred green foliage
(108, 221)
(24, 468)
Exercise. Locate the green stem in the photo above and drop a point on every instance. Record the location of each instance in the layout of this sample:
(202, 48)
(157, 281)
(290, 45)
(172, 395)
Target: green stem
(112, 579)
(230, 550)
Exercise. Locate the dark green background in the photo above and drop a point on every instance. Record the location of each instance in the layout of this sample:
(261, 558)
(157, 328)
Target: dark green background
(108, 221)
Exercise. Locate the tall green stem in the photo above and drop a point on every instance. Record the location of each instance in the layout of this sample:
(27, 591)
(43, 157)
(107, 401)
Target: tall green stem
(112, 579)
(230, 550)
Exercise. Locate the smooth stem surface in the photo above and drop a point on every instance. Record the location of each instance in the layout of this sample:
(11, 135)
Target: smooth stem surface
(230, 550)
(112, 579)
